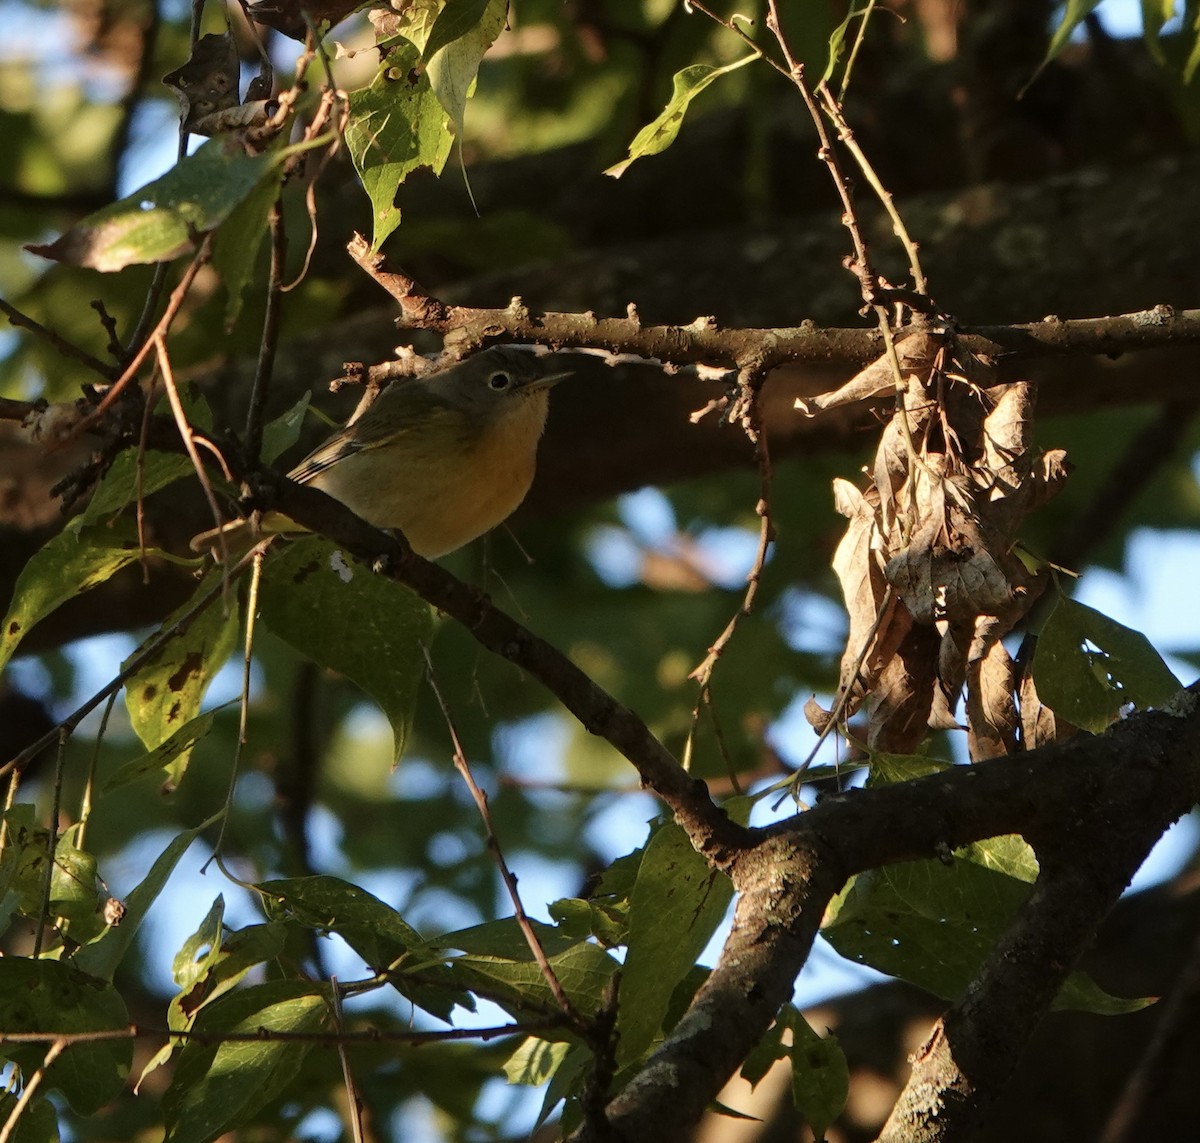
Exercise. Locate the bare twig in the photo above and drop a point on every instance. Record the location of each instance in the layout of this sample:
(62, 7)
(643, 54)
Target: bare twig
(164, 323)
(32, 1083)
(65, 347)
(493, 843)
(353, 1102)
(51, 843)
(270, 335)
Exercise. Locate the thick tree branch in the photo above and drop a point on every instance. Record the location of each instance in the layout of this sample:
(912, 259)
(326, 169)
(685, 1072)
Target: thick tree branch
(705, 341)
(1142, 774)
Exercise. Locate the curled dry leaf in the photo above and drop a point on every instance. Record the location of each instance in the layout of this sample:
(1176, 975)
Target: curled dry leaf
(927, 566)
(207, 85)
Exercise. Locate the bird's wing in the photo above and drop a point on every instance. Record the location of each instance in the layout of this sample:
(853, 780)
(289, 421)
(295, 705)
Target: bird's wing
(379, 425)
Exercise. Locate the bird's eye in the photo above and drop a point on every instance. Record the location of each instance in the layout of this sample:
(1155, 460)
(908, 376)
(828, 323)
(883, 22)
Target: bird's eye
(499, 381)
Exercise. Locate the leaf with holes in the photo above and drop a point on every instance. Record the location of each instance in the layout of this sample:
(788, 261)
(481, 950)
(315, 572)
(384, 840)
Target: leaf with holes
(1088, 666)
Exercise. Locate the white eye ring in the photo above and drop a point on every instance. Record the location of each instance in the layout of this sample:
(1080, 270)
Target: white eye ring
(499, 381)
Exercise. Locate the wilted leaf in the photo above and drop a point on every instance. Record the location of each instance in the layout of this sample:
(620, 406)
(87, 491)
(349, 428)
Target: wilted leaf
(658, 136)
(208, 83)
(991, 706)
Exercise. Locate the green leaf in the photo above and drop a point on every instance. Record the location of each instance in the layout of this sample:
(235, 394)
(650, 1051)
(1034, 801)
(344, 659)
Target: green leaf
(23, 862)
(396, 127)
(454, 52)
(1088, 666)
(659, 135)
(592, 918)
(349, 620)
(168, 761)
(163, 219)
(79, 558)
(50, 996)
(535, 1061)
(820, 1075)
(120, 484)
(1074, 13)
(102, 955)
(75, 892)
(38, 1122)
(375, 931)
(284, 431)
(210, 963)
(676, 906)
(237, 241)
(1155, 13)
(164, 694)
(454, 21)
(584, 972)
(218, 1087)
(933, 923)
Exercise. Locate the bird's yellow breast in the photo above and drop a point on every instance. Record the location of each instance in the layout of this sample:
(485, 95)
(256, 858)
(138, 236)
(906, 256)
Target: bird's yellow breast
(443, 495)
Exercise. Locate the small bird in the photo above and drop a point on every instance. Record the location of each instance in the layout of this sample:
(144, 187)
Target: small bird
(443, 458)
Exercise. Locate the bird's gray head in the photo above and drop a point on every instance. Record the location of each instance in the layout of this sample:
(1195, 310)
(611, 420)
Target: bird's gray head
(495, 378)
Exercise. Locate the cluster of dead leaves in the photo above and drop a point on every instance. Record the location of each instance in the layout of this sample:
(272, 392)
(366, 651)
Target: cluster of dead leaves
(928, 565)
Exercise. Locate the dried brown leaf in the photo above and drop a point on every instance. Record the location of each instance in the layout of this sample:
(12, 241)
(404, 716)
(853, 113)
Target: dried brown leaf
(991, 708)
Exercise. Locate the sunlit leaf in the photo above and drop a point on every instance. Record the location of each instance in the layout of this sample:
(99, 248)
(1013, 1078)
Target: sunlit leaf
(454, 53)
(396, 127)
(164, 694)
(1088, 666)
(72, 562)
(163, 219)
(1074, 13)
(659, 135)
(219, 1086)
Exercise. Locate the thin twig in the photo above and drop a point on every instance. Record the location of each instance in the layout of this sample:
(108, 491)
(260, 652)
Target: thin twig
(269, 1035)
(148, 650)
(750, 381)
(32, 1083)
(85, 808)
(65, 347)
(269, 341)
(834, 110)
(354, 1106)
(493, 843)
(51, 843)
(188, 438)
(135, 362)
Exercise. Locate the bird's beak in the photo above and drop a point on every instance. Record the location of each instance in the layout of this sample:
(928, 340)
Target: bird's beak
(547, 381)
